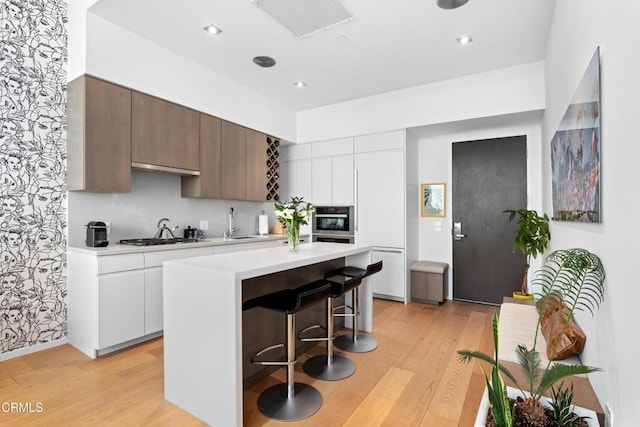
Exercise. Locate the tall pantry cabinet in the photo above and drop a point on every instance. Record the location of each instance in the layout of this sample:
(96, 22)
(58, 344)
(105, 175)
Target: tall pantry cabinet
(381, 168)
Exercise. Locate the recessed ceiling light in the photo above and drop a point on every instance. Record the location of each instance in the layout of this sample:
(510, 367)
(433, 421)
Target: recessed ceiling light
(464, 39)
(264, 61)
(300, 84)
(212, 29)
(451, 4)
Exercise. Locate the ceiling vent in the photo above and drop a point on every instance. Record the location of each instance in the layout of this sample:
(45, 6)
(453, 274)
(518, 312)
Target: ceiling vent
(305, 17)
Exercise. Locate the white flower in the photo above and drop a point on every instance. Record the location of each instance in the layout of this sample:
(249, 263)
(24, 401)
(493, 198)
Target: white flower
(294, 212)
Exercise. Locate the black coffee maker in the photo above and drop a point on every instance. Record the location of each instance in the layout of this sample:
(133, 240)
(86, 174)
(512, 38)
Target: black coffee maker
(96, 234)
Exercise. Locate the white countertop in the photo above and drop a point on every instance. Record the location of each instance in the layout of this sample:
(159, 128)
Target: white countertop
(259, 262)
(117, 248)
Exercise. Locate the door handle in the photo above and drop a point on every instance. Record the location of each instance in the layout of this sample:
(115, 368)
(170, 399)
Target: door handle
(457, 231)
(355, 198)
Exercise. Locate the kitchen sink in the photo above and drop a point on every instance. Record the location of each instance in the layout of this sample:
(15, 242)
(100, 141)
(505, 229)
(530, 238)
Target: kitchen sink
(153, 241)
(242, 237)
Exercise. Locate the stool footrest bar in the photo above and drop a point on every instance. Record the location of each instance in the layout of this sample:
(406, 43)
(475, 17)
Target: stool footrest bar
(313, 339)
(256, 361)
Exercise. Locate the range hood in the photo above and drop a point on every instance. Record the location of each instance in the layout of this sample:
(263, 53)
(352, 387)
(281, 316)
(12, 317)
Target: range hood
(164, 169)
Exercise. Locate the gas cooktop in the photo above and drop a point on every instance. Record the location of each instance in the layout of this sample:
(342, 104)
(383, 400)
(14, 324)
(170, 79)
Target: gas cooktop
(153, 241)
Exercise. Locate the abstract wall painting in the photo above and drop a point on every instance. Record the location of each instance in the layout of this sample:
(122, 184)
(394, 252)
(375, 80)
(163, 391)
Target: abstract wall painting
(575, 153)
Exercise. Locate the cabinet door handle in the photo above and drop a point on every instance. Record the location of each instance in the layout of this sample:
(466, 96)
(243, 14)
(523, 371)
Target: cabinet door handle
(355, 197)
(389, 251)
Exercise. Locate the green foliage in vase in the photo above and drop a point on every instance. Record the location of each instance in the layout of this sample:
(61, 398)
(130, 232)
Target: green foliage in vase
(532, 238)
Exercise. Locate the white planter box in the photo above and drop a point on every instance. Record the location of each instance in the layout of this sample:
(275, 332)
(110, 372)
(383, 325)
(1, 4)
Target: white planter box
(513, 393)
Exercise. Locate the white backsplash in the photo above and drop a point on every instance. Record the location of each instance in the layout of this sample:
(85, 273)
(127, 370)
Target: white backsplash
(153, 196)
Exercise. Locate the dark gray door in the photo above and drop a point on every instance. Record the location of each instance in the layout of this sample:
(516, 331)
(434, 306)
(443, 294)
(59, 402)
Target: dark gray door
(489, 176)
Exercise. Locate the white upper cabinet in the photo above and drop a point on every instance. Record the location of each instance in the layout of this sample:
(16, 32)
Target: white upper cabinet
(334, 147)
(296, 151)
(295, 171)
(332, 172)
(342, 182)
(321, 181)
(380, 141)
(297, 181)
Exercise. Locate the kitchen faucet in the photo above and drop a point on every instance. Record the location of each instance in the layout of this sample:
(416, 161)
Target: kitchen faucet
(231, 229)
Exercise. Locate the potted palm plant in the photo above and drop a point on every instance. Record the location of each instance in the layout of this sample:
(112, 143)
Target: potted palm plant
(576, 276)
(532, 238)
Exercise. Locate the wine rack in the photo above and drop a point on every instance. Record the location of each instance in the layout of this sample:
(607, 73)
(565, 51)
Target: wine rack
(273, 168)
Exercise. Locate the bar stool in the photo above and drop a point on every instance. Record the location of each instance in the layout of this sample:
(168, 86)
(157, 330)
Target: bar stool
(356, 343)
(329, 367)
(289, 401)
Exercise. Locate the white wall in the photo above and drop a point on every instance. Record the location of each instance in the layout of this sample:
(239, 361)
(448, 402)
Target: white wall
(123, 57)
(435, 165)
(494, 93)
(120, 56)
(580, 26)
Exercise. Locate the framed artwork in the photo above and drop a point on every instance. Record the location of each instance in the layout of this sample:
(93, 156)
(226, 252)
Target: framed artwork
(433, 199)
(575, 153)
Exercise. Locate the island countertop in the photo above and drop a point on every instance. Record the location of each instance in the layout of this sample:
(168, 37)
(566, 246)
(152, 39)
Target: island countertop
(259, 262)
(203, 332)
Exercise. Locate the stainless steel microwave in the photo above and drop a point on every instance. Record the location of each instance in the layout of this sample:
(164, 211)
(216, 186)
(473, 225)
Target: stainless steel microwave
(333, 220)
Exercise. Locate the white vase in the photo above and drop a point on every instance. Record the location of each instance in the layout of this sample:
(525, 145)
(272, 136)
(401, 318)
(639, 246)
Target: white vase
(513, 393)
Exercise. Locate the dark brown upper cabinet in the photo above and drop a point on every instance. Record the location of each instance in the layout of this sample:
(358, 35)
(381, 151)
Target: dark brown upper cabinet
(99, 136)
(256, 185)
(164, 134)
(234, 163)
(208, 183)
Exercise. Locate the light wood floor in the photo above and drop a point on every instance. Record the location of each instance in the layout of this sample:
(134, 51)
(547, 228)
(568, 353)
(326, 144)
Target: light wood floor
(412, 379)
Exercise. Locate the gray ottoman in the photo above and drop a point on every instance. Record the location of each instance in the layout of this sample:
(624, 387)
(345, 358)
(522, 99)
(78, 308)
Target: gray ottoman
(428, 281)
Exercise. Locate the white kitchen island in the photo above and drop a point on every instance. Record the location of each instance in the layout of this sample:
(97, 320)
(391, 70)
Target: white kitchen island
(203, 348)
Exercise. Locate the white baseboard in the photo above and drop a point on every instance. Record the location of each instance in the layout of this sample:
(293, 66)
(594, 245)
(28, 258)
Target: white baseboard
(32, 349)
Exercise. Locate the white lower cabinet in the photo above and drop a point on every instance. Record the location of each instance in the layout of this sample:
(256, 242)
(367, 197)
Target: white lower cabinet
(153, 318)
(390, 282)
(115, 301)
(153, 300)
(121, 302)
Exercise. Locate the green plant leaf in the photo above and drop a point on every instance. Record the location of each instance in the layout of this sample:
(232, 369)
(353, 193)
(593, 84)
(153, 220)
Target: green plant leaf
(559, 371)
(530, 363)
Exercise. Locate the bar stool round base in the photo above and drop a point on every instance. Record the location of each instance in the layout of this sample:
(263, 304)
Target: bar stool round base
(340, 368)
(274, 403)
(362, 344)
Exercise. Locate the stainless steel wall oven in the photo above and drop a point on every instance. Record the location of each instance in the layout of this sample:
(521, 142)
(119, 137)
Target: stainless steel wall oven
(333, 224)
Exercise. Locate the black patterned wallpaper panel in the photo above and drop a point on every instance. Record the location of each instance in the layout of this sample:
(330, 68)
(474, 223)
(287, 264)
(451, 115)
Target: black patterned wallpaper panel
(33, 59)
